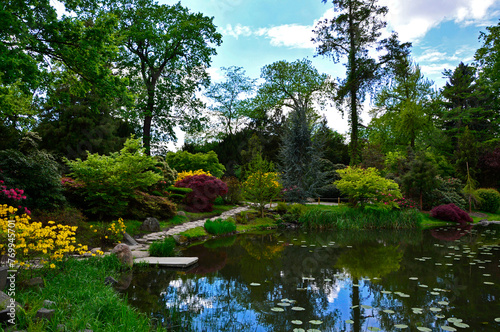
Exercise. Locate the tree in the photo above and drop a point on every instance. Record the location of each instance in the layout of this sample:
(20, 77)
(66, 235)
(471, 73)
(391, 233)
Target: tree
(421, 176)
(403, 108)
(230, 99)
(352, 33)
(165, 53)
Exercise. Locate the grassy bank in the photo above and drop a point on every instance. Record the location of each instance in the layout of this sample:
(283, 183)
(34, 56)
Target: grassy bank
(342, 217)
(81, 299)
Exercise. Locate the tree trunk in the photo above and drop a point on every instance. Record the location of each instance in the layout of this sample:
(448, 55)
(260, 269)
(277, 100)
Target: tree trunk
(351, 80)
(148, 119)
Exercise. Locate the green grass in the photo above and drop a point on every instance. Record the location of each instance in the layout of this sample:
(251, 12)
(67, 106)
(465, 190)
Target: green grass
(194, 233)
(257, 224)
(349, 218)
(220, 226)
(163, 248)
(82, 300)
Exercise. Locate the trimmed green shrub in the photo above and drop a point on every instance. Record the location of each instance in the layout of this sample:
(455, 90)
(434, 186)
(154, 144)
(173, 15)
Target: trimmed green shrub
(163, 248)
(220, 226)
(143, 205)
(185, 161)
(348, 218)
(489, 199)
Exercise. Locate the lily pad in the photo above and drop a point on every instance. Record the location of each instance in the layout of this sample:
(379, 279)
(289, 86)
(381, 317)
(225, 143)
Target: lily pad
(254, 284)
(373, 328)
(461, 325)
(276, 309)
(364, 306)
(299, 330)
(316, 322)
(448, 328)
(423, 286)
(297, 322)
(434, 293)
(413, 278)
(313, 330)
(388, 311)
(283, 304)
(443, 303)
(424, 329)
(440, 316)
(401, 326)
(497, 319)
(349, 321)
(385, 292)
(488, 283)
(298, 309)
(435, 309)
(354, 306)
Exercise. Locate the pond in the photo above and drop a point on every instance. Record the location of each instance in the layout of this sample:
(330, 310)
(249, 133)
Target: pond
(446, 279)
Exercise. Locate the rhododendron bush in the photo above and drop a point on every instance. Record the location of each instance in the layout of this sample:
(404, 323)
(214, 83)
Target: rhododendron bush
(205, 190)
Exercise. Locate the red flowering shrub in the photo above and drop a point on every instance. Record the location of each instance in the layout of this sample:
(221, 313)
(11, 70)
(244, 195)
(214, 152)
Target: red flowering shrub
(451, 212)
(205, 191)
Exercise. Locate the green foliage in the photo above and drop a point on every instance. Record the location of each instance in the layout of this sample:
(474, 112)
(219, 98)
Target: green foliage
(142, 205)
(163, 248)
(110, 181)
(420, 178)
(220, 226)
(365, 187)
(294, 212)
(34, 171)
(194, 233)
(347, 218)
(233, 195)
(448, 190)
(185, 161)
(489, 199)
(281, 207)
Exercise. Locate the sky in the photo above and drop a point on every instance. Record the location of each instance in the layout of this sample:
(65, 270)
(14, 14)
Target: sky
(260, 32)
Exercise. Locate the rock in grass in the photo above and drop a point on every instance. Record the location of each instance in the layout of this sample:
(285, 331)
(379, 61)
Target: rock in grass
(44, 313)
(124, 254)
(150, 225)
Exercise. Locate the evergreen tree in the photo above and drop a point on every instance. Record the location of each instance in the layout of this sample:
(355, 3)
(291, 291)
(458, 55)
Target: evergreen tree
(421, 177)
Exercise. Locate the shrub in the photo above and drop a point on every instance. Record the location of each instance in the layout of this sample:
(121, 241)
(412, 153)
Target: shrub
(33, 240)
(365, 187)
(294, 212)
(163, 248)
(66, 216)
(261, 188)
(37, 173)
(185, 161)
(233, 195)
(489, 199)
(282, 207)
(110, 234)
(184, 174)
(168, 175)
(219, 201)
(143, 205)
(220, 226)
(451, 212)
(109, 182)
(449, 190)
(205, 191)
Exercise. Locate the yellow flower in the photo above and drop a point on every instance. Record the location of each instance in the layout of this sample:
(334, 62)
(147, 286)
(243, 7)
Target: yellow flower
(52, 266)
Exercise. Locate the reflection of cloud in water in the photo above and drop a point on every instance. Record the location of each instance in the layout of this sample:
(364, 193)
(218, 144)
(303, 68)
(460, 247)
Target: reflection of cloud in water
(183, 294)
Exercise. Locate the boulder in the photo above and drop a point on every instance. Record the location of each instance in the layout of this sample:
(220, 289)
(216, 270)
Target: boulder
(151, 225)
(44, 313)
(124, 254)
(129, 240)
(181, 213)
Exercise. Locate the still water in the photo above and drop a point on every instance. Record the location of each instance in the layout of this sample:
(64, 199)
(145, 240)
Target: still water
(445, 279)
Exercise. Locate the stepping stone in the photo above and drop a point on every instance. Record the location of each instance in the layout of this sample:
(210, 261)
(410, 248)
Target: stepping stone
(168, 261)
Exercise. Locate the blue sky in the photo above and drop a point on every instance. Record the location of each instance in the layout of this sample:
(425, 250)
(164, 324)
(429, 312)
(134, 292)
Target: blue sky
(259, 32)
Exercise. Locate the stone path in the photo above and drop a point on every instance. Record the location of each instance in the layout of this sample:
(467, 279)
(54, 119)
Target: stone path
(141, 249)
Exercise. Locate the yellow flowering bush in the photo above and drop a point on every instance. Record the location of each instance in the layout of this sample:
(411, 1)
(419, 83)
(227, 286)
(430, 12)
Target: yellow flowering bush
(185, 174)
(112, 233)
(35, 241)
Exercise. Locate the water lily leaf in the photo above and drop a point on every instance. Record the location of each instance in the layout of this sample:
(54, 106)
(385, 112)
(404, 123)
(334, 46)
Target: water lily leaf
(435, 309)
(461, 325)
(277, 309)
(327, 279)
(373, 328)
(401, 326)
(488, 283)
(355, 285)
(385, 292)
(254, 284)
(388, 311)
(453, 320)
(283, 304)
(424, 329)
(423, 286)
(448, 328)
(497, 319)
(313, 330)
(349, 321)
(299, 330)
(434, 293)
(297, 322)
(413, 278)
(298, 309)
(364, 306)
(443, 303)
(440, 316)
(486, 274)
(354, 306)
(316, 322)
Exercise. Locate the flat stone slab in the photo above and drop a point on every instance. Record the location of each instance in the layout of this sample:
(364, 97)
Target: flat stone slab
(181, 262)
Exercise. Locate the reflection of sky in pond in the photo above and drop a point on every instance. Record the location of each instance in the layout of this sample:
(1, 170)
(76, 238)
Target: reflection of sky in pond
(404, 272)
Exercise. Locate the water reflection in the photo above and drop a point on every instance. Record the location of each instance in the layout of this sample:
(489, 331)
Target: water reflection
(332, 281)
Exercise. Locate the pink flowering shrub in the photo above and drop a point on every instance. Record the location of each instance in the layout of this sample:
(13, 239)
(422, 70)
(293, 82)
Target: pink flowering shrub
(451, 212)
(13, 195)
(205, 190)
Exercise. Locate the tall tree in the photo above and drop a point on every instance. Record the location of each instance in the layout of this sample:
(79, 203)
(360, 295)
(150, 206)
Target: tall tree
(352, 33)
(165, 53)
(297, 86)
(230, 99)
(402, 108)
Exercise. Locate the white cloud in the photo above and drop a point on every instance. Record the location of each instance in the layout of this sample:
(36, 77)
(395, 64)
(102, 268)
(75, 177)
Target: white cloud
(413, 19)
(289, 35)
(236, 31)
